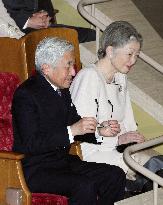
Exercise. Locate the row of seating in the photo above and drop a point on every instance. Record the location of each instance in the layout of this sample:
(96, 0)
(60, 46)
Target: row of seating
(18, 55)
(16, 65)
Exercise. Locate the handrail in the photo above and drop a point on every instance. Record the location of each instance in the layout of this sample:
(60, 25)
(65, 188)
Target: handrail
(134, 148)
(88, 16)
(101, 26)
(151, 62)
(144, 171)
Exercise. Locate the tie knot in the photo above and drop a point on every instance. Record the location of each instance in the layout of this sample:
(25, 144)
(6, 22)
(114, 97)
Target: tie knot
(59, 92)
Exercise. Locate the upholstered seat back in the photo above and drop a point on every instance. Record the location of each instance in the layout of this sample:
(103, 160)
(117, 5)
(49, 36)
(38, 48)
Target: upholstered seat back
(32, 39)
(13, 57)
(8, 83)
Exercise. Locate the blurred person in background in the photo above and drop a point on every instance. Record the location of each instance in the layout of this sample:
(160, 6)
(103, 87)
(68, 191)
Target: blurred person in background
(8, 27)
(38, 14)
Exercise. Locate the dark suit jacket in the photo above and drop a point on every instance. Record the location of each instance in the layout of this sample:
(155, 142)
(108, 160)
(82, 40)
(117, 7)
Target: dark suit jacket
(21, 10)
(40, 120)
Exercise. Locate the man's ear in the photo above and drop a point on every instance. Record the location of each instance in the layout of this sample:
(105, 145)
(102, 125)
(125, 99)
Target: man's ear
(109, 51)
(45, 69)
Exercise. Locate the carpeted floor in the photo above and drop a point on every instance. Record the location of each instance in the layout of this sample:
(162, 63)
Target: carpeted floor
(153, 12)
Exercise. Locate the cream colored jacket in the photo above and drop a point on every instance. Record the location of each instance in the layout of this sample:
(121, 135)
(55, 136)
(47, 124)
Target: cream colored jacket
(93, 97)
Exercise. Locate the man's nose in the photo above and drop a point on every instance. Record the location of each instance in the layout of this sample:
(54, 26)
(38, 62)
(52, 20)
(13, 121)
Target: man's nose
(72, 70)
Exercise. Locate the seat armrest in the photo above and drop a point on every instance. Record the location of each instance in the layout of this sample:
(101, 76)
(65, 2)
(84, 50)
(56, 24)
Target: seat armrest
(12, 176)
(76, 149)
(11, 155)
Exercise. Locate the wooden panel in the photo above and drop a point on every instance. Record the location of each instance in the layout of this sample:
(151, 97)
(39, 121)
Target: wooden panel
(12, 57)
(12, 176)
(76, 149)
(32, 39)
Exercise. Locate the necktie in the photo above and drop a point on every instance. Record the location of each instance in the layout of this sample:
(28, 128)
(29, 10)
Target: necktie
(59, 92)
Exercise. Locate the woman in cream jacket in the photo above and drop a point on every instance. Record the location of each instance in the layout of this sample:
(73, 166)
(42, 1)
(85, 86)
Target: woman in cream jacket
(100, 91)
(8, 27)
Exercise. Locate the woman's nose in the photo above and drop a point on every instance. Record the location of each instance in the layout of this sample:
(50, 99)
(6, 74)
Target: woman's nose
(133, 60)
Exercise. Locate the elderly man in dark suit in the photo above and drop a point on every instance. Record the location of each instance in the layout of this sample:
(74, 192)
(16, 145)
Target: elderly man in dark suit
(45, 123)
(37, 14)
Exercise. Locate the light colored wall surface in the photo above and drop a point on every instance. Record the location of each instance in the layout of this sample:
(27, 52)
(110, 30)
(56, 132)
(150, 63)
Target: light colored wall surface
(147, 125)
(67, 15)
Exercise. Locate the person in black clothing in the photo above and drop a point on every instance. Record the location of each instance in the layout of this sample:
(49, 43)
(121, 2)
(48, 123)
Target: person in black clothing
(45, 123)
(38, 14)
(143, 184)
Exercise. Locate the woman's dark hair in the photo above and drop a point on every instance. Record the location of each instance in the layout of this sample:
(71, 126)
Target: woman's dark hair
(117, 34)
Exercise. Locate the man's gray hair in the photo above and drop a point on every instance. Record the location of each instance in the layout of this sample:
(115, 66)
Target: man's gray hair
(50, 50)
(118, 34)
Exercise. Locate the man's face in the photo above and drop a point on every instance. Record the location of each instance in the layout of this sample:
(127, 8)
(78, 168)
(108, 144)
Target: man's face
(61, 75)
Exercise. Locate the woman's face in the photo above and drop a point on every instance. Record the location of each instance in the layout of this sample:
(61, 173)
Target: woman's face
(123, 58)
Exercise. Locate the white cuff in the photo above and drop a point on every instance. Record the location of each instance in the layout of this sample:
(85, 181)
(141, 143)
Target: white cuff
(26, 24)
(71, 138)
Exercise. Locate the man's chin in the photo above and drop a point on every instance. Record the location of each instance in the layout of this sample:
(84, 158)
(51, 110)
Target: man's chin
(67, 85)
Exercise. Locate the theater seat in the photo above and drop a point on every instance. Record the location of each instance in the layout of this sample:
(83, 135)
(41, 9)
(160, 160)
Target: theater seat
(8, 84)
(10, 162)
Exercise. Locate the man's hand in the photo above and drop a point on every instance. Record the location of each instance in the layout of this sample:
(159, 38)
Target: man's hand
(110, 128)
(39, 20)
(83, 126)
(132, 136)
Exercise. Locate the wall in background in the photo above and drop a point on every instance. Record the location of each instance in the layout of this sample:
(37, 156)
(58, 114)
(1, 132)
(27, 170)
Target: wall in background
(67, 15)
(148, 125)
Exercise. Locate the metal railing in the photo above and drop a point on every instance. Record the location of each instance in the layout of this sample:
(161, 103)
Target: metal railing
(90, 16)
(131, 162)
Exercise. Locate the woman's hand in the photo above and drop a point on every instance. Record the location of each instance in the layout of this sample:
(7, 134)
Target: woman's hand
(109, 128)
(132, 136)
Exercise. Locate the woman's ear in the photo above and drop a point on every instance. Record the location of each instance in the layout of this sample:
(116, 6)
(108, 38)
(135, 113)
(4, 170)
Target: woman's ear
(109, 51)
(45, 69)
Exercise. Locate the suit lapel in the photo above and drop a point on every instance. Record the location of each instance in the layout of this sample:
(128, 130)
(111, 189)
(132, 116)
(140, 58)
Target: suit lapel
(53, 97)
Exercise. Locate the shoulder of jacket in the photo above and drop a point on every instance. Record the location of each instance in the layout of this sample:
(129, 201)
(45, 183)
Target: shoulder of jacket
(88, 72)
